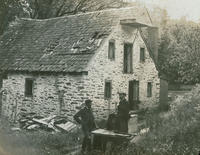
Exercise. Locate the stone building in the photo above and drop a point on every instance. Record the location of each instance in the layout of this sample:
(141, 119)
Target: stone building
(52, 66)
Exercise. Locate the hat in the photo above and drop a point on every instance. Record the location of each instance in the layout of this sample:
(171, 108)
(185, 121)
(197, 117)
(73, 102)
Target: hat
(88, 101)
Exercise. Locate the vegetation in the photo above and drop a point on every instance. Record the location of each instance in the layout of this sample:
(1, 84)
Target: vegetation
(37, 142)
(9, 10)
(179, 51)
(174, 132)
(43, 9)
(55, 8)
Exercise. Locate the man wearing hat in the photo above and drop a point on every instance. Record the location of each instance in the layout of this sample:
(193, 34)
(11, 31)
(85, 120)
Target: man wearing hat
(85, 117)
(123, 113)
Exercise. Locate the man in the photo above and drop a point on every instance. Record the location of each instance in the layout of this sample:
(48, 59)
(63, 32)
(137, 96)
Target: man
(85, 117)
(123, 113)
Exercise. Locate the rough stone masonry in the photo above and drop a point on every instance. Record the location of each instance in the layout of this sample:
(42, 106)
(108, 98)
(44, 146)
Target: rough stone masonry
(64, 93)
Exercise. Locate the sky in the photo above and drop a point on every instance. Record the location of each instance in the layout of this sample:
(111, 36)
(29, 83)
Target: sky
(178, 8)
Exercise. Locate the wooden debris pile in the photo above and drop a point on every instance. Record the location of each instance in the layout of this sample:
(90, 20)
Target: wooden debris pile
(31, 121)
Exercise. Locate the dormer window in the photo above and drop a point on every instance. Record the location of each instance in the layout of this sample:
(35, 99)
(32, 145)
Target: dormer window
(142, 54)
(111, 50)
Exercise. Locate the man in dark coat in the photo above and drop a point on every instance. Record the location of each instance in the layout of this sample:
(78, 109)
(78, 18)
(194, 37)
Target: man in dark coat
(123, 113)
(85, 117)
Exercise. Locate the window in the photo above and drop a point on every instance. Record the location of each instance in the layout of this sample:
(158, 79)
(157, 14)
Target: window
(149, 89)
(128, 58)
(136, 90)
(107, 91)
(111, 50)
(28, 87)
(142, 54)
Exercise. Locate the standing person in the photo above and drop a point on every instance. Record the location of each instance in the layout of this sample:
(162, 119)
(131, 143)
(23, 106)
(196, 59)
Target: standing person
(123, 113)
(85, 117)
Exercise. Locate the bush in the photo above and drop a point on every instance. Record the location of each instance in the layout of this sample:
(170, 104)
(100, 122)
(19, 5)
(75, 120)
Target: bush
(176, 131)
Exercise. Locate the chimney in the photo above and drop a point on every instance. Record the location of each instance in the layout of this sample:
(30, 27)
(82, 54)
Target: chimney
(153, 41)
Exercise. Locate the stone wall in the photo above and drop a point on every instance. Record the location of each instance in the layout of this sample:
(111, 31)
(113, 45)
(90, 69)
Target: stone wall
(101, 69)
(52, 94)
(64, 94)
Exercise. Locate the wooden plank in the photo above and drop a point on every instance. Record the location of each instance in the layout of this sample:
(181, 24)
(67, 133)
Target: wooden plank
(66, 126)
(44, 123)
(109, 133)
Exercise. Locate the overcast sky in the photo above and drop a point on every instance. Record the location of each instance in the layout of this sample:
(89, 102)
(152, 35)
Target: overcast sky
(179, 8)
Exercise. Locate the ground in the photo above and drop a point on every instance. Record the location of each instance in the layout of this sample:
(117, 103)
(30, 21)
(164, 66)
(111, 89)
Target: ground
(37, 142)
(171, 132)
(40, 142)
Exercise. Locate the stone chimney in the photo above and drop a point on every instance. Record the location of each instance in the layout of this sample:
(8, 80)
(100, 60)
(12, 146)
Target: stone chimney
(153, 41)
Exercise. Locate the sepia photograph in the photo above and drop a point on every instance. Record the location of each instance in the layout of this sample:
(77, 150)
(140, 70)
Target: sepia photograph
(99, 77)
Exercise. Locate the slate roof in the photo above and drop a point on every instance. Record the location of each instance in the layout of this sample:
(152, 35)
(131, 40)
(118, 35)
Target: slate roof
(64, 44)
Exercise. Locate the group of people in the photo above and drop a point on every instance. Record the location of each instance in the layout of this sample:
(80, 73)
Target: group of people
(86, 119)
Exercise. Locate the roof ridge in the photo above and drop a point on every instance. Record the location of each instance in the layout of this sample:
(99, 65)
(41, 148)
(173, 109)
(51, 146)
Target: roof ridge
(80, 14)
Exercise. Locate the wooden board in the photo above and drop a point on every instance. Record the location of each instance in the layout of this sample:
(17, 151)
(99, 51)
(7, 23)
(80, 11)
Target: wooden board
(67, 126)
(109, 133)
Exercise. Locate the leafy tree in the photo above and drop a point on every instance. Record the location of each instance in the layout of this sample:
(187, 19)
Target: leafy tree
(179, 52)
(10, 9)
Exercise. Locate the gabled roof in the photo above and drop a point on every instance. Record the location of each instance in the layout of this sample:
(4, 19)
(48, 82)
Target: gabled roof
(64, 44)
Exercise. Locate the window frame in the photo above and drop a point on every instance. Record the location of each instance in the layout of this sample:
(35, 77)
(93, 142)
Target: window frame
(26, 89)
(142, 60)
(111, 42)
(105, 90)
(131, 59)
(149, 89)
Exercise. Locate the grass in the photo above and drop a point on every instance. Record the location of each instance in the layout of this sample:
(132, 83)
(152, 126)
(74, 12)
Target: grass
(40, 142)
(175, 132)
(37, 142)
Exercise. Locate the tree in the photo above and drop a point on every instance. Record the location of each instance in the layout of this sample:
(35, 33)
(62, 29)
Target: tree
(43, 9)
(10, 9)
(55, 8)
(179, 52)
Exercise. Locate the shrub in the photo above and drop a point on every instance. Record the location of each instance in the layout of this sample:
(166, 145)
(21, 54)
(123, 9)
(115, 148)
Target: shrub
(176, 131)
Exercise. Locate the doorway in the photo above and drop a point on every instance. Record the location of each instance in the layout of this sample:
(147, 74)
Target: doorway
(133, 95)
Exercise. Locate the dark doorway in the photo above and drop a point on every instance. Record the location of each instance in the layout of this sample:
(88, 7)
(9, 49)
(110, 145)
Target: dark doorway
(133, 96)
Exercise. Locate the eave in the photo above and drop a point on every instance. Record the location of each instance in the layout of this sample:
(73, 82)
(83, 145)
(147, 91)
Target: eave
(132, 22)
